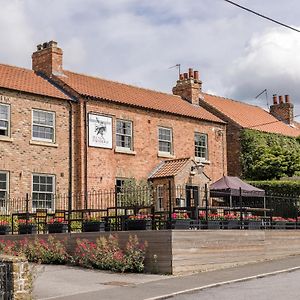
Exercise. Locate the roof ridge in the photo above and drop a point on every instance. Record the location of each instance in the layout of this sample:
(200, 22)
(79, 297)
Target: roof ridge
(122, 83)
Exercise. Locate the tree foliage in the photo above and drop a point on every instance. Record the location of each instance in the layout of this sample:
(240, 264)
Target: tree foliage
(266, 156)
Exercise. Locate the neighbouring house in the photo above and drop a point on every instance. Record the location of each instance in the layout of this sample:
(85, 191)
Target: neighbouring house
(34, 139)
(104, 131)
(241, 116)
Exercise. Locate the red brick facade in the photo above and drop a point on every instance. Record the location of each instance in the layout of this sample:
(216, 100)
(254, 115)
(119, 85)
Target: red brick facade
(96, 168)
(22, 156)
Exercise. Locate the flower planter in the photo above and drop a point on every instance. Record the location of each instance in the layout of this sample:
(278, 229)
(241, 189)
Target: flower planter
(279, 224)
(252, 224)
(5, 229)
(290, 225)
(138, 224)
(27, 229)
(179, 224)
(213, 224)
(92, 226)
(57, 228)
(233, 224)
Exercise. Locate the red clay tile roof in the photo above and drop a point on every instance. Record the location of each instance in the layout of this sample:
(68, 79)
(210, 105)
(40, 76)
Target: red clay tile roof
(130, 95)
(169, 168)
(24, 80)
(250, 116)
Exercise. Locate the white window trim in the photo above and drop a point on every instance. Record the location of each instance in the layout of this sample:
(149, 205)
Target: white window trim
(41, 125)
(6, 188)
(8, 120)
(125, 149)
(53, 193)
(199, 158)
(166, 153)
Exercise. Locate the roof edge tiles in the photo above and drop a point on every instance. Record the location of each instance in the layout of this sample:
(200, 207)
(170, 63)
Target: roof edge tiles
(169, 168)
(25, 80)
(108, 90)
(249, 116)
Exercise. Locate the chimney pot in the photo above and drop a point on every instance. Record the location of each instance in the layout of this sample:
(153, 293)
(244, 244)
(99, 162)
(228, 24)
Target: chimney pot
(191, 75)
(181, 77)
(275, 99)
(287, 98)
(39, 47)
(185, 75)
(196, 75)
(280, 99)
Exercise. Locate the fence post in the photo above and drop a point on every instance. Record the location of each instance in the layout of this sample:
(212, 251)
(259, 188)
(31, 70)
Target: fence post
(206, 201)
(116, 207)
(69, 211)
(27, 208)
(241, 206)
(170, 202)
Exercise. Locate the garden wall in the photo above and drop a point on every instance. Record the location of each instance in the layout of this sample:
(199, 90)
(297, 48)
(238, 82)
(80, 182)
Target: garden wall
(199, 250)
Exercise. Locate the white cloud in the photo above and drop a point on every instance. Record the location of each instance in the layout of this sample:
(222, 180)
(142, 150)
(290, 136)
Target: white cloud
(270, 60)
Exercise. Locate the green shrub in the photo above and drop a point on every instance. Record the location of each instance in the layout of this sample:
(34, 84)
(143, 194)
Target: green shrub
(266, 156)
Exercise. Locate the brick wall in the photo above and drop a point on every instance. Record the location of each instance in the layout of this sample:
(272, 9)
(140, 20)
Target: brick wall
(233, 145)
(104, 165)
(21, 156)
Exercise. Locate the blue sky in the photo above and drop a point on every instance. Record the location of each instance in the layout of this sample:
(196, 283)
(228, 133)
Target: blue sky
(136, 41)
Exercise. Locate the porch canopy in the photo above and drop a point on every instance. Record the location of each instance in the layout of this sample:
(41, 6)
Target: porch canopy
(230, 186)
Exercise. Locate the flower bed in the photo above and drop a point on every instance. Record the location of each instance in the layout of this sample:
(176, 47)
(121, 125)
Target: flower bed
(104, 254)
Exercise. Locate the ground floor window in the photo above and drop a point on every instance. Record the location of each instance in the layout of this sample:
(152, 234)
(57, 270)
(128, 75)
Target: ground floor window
(3, 188)
(159, 197)
(43, 191)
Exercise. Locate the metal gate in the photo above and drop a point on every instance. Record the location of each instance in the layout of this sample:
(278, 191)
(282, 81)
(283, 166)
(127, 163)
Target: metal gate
(6, 284)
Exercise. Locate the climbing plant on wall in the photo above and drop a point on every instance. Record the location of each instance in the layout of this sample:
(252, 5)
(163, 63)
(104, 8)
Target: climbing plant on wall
(266, 156)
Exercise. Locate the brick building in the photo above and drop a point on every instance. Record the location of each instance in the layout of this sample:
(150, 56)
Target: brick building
(239, 116)
(103, 131)
(34, 137)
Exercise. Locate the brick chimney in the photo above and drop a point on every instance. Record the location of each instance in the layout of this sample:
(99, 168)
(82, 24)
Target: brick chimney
(283, 111)
(48, 59)
(188, 86)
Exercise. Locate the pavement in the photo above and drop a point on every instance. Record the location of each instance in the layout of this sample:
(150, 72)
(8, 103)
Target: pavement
(66, 283)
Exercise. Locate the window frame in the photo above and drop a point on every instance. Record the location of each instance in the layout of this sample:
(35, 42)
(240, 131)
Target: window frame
(8, 120)
(124, 135)
(165, 141)
(198, 148)
(160, 192)
(6, 190)
(52, 208)
(39, 139)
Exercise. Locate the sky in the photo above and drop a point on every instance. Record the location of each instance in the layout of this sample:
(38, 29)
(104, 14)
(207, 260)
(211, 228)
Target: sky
(237, 54)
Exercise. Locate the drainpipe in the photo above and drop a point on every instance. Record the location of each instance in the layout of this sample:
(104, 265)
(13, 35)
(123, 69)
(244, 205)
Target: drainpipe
(85, 156)
(70, 163)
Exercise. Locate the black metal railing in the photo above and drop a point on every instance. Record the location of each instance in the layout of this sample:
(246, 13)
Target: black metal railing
(159, 203)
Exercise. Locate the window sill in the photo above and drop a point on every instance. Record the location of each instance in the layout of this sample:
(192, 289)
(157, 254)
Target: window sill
(201, 160)
(39, 143)
(4, 138)
(165, 154)
(124, 151)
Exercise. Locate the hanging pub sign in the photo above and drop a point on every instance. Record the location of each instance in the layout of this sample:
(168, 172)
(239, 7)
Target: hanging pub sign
(100, 131)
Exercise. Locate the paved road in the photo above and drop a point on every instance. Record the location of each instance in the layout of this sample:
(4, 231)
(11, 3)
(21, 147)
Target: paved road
(282, 286)
(69, 283)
